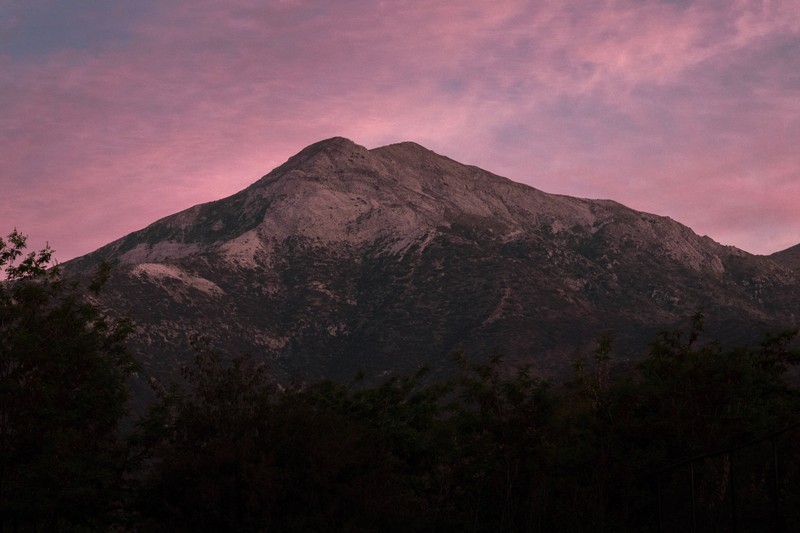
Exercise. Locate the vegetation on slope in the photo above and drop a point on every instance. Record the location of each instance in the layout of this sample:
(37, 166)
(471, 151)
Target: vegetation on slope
(226, 448)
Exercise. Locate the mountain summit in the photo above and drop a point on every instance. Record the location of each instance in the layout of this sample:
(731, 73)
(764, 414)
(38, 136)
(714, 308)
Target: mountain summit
(345, 258)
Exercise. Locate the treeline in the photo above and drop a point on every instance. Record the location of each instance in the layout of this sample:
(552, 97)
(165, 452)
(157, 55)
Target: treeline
(492, 449)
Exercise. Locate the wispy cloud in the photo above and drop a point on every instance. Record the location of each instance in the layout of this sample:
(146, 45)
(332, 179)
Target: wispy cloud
(689, 109)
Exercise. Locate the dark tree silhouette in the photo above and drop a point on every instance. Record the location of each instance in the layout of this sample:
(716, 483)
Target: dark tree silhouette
(63, 391)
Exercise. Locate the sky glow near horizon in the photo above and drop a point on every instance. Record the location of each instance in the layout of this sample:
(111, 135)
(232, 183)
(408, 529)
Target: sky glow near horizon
(116, 113)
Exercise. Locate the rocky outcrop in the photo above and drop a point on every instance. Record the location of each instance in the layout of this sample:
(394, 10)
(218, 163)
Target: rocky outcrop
(345, 258)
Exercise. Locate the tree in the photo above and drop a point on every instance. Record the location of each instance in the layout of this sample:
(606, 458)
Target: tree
(63, 391)
(499, 474)
(230, 451)
(706, 396)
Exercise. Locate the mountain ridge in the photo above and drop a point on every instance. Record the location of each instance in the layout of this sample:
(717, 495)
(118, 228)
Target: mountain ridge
(344, 258)
(789, 257)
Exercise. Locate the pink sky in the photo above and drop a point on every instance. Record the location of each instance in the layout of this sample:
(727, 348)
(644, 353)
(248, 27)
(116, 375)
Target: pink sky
(114, 114)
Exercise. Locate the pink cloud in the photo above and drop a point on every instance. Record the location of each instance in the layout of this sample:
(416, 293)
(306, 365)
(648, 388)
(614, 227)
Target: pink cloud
(685, 110)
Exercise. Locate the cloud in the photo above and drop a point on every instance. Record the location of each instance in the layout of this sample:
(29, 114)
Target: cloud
(683, 108)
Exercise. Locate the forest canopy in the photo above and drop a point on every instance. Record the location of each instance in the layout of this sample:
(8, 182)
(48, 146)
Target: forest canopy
(227, 448)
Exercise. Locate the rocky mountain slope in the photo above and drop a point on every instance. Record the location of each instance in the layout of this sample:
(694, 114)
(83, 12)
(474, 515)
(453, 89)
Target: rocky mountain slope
(789, 257)
(345, 258)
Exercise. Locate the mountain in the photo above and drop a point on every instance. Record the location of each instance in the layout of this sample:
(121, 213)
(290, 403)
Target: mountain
(789, 257)
(345, 258)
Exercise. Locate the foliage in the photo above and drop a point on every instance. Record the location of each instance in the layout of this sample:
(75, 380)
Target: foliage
(492, 449)
(702, 396)
(63, 371)
(499, 426)
(687, 397)
(230, 452)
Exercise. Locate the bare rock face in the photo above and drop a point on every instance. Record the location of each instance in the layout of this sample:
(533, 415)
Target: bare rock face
(345, 258)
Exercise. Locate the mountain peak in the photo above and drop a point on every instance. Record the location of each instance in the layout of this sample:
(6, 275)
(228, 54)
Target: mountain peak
(326, 155)
(409, 153)
(404, 146)
(345, 258)
(332, 145)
